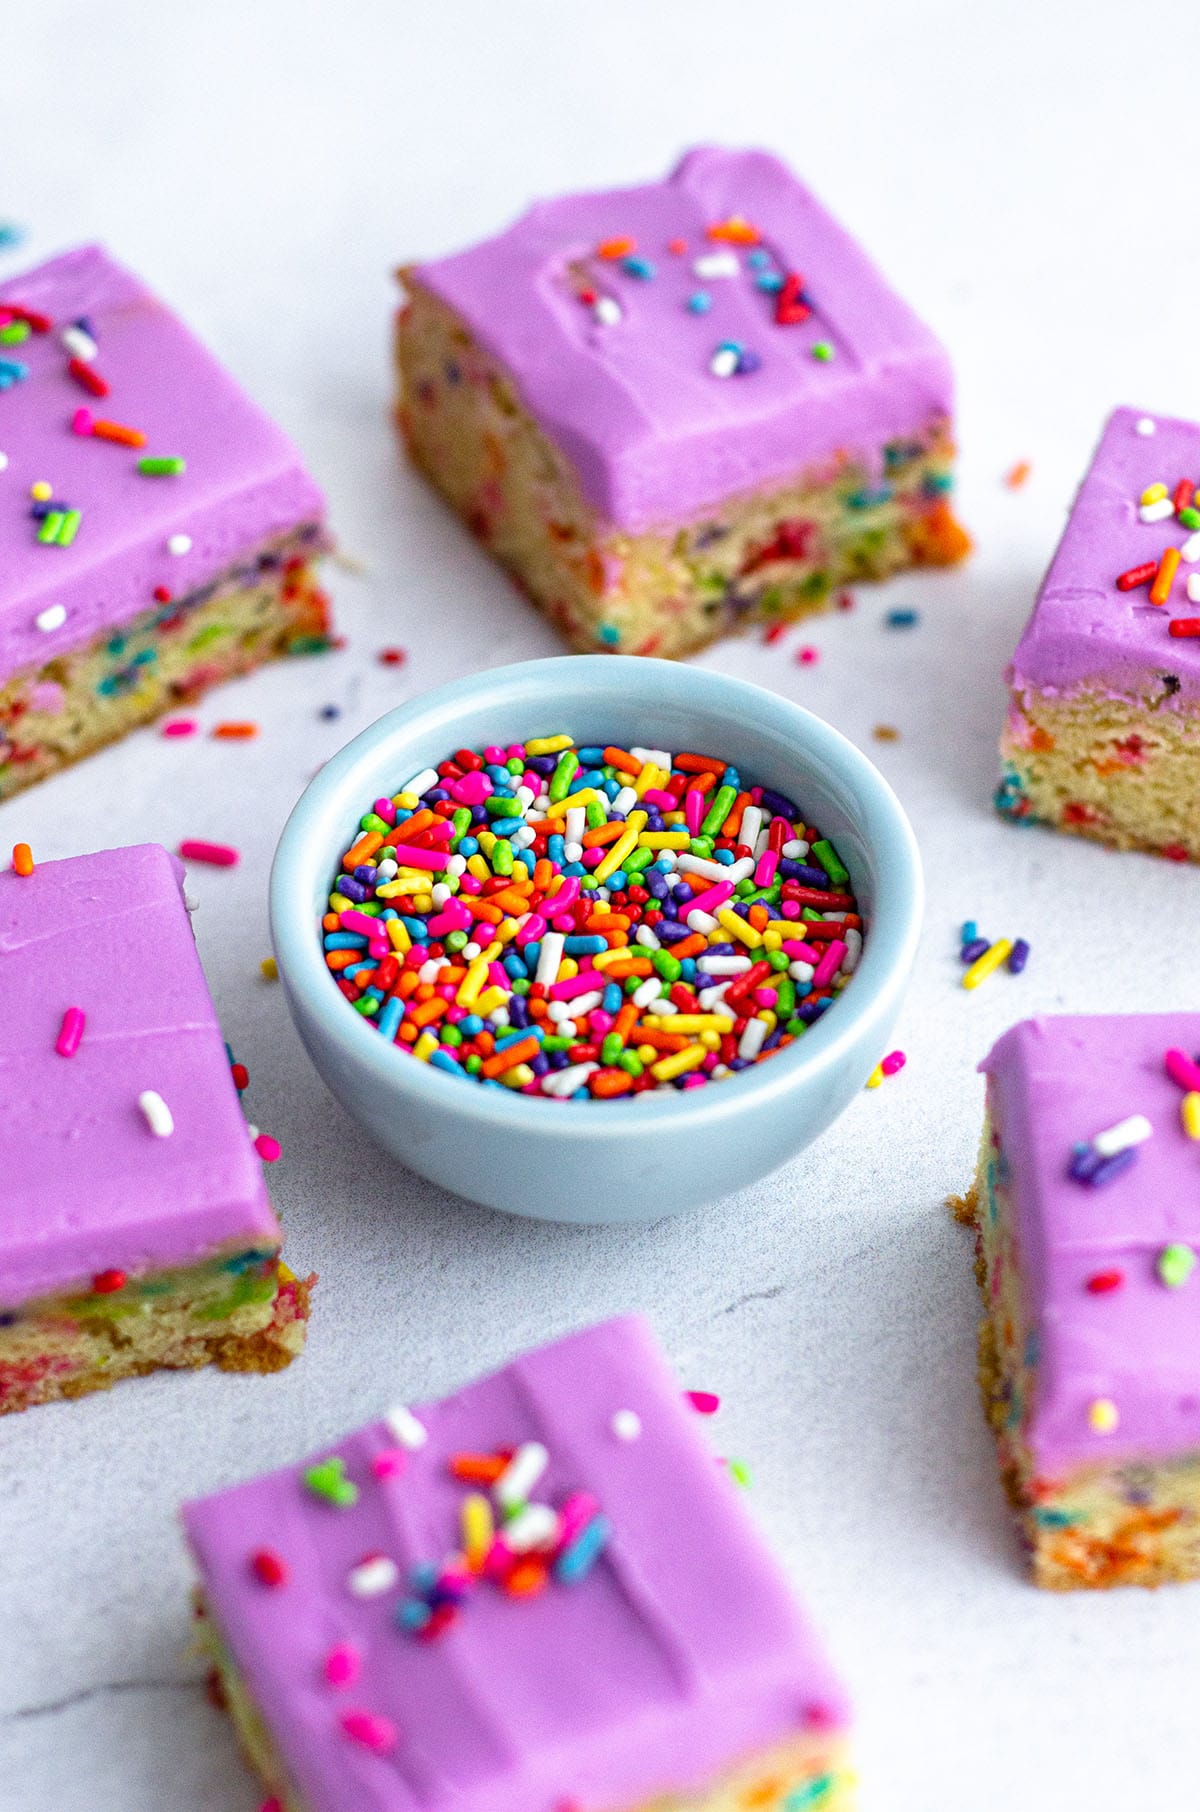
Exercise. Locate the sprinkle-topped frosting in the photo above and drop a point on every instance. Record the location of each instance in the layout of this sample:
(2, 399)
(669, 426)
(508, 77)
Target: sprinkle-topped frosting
(124, 1147)
(135, 468)
(1119, 609)
(658, 1650)
(694, 339)
(1092, 1119)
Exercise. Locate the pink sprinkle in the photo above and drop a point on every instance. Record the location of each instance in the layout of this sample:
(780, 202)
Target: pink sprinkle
(666, 802)
(800, 952)
(567, 894)
(221, 855)
(343, 1664)
(576, 1513)
(710, 899)
(374, 1733)
(81, 421)
(267, 1148)
(1182, 1070)
(895, 1060)
(390, 1463)
(829, 964)
(453, 917)
(383, 808)
(472, 789)
(693, 810)
(409, 856)
(768, 862)
(359, 921)
(179, 726)
(533, 929)
(703, 1401)
(586, 982)
(807, 657)
(70, 1032)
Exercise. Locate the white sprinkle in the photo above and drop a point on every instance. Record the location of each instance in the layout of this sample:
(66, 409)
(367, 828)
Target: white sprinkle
(704, 922)
(853, 942)
(627, 1425)
(646, 937)
(1193, 588)
(404, 1427)
(1190, 550)
(251, 1132)
(536, 1526)
(387, 869)
(575, 824)
(371, 1577)
(157, 1113)
(562, 1083)
(1133, 1131)
(521, 1475)
(421, 783)
(3, 462)
(658, 758)
(549, 958)
(606, 310)
(795, 849)
(1156, 512)
(751, 1041)
(801, 971)
(725, 965)
(471, 951)
(53, 617)
(80, 344)
(751, 825)
(521, 839)
(716, 264)
(650, 990)
(179, 544)
(724, 362)
(625, 800)
(1144, 426)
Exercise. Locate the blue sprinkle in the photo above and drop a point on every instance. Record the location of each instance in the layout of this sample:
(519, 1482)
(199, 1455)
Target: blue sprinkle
(747, 361)
(608, 632)
(11, 372)
(758, 259)
(412, 1614)
(637, 267)
(699, 302)
(901, 619)
(575, 1562)
(770, 282)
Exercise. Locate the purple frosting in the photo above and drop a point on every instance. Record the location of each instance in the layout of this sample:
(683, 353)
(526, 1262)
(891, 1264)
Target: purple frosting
(1053, 1083)
(1084, 631)
(654, 435)
(244, 480)
(88, 1187)
(680, 1652)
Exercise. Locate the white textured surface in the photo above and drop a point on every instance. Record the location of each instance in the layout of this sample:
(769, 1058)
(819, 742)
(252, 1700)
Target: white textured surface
(1026, 175)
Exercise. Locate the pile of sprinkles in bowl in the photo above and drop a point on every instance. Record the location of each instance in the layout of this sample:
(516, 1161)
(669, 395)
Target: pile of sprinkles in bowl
(589, 922)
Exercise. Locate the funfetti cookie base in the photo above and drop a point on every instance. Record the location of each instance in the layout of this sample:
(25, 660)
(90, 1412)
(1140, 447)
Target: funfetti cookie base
(677, 410)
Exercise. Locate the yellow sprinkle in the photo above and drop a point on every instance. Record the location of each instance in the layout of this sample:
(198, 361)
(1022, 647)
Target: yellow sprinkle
(1103, 1415)
(507, 930)
(269, 968)
(678, 1063)
(423, 902)
(477, 867)
(739, 927)
(487, 841)
(688, 1022)
(625, 844)
(338, 902)
(489, 1001)
(711, 1040)
(875, 1078)
(1189, 1109)
(665, 840)
(647, 1053)
(988, 962)
(560, 806)
(406, 802)
(387, 890)
(398, 936)
(41, 490)
(548, 745)
(772, 939)
(568, 968)
(520, 1075)
(1154, 493)
(425, 1046)
(285, 1272)
(478, 1529)
(472, 982)
(622, 954)
(600, 908)
(650, 776)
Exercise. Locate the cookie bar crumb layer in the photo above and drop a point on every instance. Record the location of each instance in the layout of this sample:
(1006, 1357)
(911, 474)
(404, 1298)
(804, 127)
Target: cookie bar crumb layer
(803, 1773)
(773, 555)
(57, 712)
(1122, 771)
(243, 1311)
(1131, 1523)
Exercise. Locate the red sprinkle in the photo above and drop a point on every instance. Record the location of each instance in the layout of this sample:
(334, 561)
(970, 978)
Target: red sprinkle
(1182, 495)
(87, 376)
(163, 594)
(241, 1076)
(703, 1401)
(790, 308)
(1184, 626)
(269, 1567)
(1137, 575)
(1101, 1282)
(393, 657)
(220, 855)
(105, 1283)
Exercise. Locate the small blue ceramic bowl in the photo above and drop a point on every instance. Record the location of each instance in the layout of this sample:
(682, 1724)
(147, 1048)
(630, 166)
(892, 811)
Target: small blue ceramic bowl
(665, 1150)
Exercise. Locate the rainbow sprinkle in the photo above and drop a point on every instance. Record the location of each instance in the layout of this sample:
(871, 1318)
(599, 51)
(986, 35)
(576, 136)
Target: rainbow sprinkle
(589, 922)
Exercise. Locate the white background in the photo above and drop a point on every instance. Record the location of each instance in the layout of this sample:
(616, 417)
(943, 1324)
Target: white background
(1028, 176)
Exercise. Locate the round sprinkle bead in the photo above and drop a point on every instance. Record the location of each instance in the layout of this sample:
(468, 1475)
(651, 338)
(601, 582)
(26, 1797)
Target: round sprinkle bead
(627, 1425)
(179, 544)
(1103, 1416)
(589, 922)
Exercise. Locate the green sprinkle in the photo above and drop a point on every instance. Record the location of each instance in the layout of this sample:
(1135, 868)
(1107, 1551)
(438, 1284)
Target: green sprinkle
(718, 811)
(456, 941)
(328, 1480)
(68, 528)
(1175, 1265)
(14, 333)
(739, 1472)
(822, 351)
(595, 815)
(1190, 518)
(502, 856)
(152, 467)
(373, 822)
(52, 522)
(666, 965)
(631, 1063)
(610, 1050)
(564, 773)
(831, 862)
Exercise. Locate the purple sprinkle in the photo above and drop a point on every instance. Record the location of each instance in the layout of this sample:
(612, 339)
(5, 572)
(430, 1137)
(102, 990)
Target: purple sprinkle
(972, 952)
(1112, 1167)
(1018, 956)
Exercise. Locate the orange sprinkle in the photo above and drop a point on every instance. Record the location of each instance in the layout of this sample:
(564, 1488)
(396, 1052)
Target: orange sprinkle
(689, 946)
(477, 1468)
(362, 851)
(1016, 475)
(634, 965)
(430, 1011)
(616, 248)
(734, 231)
(124, 437)
(666, 1042)
(235, 732)
(342, 959)
(622, 759)
(603, 833)
(1168, 566)
(521, 1052)
(543, 873)
(625, 1021)
(22, 859)
(528, 1576)
(604, 1084)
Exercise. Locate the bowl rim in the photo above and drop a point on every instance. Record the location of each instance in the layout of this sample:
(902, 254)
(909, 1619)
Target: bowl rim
(886, 961)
